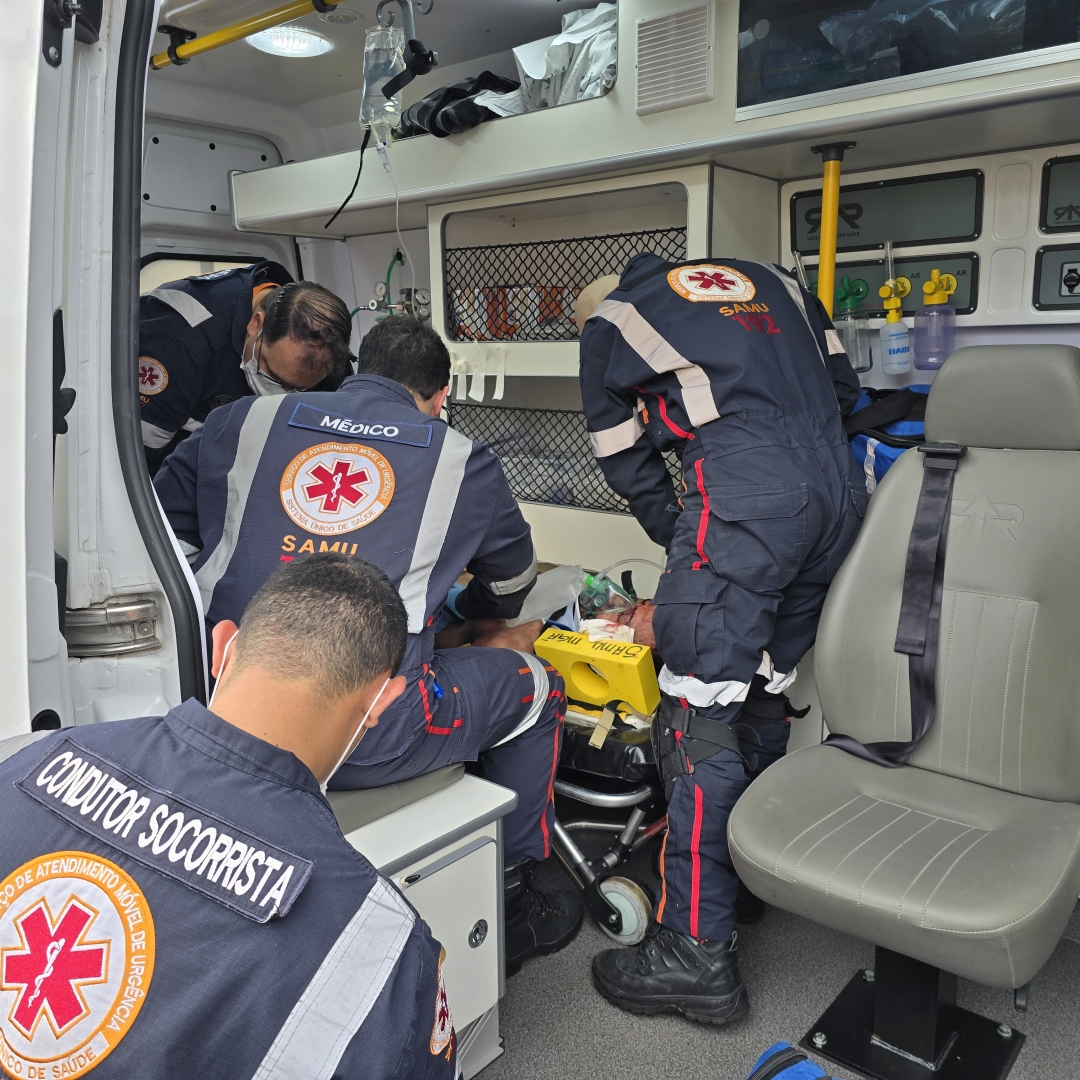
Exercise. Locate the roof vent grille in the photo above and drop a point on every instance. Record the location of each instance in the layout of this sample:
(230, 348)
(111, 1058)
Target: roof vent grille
(675, 58)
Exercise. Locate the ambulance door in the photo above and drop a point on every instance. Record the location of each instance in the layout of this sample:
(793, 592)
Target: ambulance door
(131, 641)
(36, 84)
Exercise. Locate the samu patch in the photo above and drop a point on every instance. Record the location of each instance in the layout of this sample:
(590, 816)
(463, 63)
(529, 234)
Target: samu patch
(442, 1032)
(333, 488)
(703, 282)
(305, 416)
(153, 378)
(76, 960)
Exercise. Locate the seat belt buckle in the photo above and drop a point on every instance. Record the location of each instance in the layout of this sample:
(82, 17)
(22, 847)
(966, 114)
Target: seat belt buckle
(941, 455)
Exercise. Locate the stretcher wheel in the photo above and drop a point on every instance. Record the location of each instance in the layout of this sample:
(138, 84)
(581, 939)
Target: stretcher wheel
(633, 905)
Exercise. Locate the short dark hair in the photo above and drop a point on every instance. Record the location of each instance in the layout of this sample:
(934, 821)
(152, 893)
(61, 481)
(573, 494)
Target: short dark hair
(307, 312)
(404, 349)
(327, 619)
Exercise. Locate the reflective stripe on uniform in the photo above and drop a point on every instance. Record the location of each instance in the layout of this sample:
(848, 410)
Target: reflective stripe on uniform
(796, 294)
(183, 304)
(661, 357)
(516, 583)
(868, 465)
(614, 440)
(701, 694)
(155, 437)
(249, 448)
(193, 425)
(776, 681)
(337, 1001)
(442, 498)
(16, 743)
(540, 696)
(836, 346)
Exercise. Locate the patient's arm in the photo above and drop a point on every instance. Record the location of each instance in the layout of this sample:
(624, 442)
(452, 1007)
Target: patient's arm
(495, 634)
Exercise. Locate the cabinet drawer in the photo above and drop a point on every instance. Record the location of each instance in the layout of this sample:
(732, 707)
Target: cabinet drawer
(458, 896)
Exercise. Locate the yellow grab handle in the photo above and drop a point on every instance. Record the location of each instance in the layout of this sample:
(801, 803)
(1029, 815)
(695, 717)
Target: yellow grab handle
(244, 28)
(830, 211)
(832, 155)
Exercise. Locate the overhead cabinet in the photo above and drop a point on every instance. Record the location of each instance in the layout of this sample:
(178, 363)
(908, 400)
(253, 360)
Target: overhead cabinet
(750, 86)
(794, 50)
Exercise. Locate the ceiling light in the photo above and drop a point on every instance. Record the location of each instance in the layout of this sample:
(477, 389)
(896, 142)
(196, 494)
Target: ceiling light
(290, 41)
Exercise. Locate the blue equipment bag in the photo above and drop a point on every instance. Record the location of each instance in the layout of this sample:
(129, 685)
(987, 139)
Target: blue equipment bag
(784, 1062)
(883, 424)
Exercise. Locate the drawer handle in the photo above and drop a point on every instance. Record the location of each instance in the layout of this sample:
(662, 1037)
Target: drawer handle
(477, 934)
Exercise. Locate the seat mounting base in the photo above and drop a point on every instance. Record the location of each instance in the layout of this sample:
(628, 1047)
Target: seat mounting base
(978, 1050)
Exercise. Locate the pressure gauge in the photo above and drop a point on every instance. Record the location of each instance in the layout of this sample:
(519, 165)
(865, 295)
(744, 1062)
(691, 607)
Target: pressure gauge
(423, 297)
(380, 290)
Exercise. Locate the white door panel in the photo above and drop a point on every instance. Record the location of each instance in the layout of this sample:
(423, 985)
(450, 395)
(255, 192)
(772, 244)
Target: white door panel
(99, 535)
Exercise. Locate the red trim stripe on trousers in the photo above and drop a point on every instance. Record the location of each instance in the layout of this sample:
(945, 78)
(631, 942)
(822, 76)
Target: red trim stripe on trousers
(695, 873)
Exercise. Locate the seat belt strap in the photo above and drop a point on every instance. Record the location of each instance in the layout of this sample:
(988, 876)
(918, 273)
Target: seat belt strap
(920, 605)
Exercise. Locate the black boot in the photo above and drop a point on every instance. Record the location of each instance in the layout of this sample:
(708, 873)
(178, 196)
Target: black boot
(669, 972)
(748, 908)
(536, 923)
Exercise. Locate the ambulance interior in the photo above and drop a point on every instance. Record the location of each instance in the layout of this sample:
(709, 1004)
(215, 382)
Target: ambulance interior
(962, 154)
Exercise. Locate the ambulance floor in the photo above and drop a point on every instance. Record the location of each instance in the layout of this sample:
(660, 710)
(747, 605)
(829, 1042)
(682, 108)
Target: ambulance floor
(556, 1027)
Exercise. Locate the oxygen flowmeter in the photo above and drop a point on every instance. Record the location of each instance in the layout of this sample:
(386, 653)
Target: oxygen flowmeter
(415, 302)
(895, 349)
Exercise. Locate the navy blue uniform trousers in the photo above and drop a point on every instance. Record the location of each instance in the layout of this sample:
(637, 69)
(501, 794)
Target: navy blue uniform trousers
(762, 533)
(462, 707)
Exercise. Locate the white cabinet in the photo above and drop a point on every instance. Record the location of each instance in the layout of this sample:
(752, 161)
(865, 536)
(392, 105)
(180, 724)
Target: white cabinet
(444, 851)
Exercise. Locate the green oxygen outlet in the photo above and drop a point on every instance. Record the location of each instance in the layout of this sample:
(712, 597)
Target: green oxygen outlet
(852, 325)
(850, 294)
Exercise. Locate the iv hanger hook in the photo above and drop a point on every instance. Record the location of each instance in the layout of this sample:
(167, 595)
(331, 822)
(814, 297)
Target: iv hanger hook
(407, 21)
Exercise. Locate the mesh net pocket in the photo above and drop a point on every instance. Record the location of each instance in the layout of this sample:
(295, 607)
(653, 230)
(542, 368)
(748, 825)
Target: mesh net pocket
(545, 454)
(526, 292)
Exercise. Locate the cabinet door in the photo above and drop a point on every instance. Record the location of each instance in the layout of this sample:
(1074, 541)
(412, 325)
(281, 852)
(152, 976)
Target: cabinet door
(458, 896)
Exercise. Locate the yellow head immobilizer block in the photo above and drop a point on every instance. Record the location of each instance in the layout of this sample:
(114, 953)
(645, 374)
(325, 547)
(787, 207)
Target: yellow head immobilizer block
(601, 671)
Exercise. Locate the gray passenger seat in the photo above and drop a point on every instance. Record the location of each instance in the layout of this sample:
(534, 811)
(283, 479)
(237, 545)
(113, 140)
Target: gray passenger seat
(968, 858)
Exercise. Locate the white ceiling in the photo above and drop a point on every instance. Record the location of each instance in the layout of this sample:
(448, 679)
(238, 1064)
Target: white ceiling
(458, 30)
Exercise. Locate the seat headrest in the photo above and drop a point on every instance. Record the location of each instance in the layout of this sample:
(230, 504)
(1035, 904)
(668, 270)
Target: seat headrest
(1016, 397)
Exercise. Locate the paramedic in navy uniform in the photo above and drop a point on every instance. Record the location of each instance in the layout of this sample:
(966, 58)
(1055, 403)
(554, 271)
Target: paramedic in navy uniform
(206, 341)
(738, 370)
(371, 471)
(176, 897)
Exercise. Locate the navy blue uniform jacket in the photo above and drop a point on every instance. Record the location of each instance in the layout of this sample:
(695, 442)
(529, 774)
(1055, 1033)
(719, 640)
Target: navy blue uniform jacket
(191, 337)
(673, 349)
(178, 902)
(361, 471)
(191, 343)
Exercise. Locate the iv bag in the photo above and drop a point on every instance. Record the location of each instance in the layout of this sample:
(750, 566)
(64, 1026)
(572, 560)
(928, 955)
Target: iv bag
(383, 59)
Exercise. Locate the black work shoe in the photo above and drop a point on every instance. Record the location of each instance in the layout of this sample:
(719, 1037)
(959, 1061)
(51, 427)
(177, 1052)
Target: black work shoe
(669, 972)
(537, 923)
(748, 908)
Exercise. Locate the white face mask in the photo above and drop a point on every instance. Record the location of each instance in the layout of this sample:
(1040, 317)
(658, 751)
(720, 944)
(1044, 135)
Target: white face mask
(261, 383)
(221, 670)
(355, 741)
